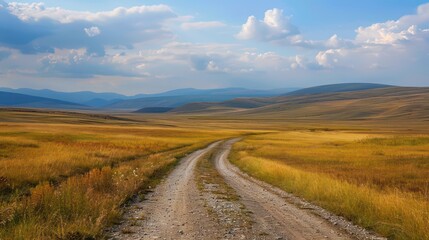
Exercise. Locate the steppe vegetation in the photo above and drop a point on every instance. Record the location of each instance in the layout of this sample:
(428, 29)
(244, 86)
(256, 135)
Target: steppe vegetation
(379, 181)
(67, 176)
(68, 181)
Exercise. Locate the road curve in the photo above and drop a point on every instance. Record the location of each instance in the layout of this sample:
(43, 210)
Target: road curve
(272, 215)
(174, 210)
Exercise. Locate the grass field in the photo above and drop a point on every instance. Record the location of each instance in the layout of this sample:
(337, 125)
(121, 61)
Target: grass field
(379, 181)
(66, 175)
(68, 181)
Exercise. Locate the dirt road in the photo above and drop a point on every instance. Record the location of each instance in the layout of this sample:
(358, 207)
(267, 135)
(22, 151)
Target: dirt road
(173, 210)
(177, 209)
(272, 214)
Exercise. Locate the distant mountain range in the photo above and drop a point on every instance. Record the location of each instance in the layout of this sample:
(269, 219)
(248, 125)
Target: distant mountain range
(9, 99)
(169, 99)
(87, 98)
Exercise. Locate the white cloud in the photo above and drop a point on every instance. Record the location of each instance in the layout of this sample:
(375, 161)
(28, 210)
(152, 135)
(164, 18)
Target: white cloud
(421, 16)
(34, 28)
(202, 25)
(265, 61)
(407, 28)
(92, 31)
(336, 42)
(78, 63)
(212, 66)
(382, 45)
(38, 11)
(303, 62)
(386, 33)
(205, 58)
(330, 57)
(275, 27)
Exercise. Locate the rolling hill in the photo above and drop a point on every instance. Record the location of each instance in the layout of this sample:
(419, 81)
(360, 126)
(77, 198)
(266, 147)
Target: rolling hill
(340, 87)
(376, 103)
(8, 99)
(180, 97)
(230, 105)
(154, 110)
(244, 103)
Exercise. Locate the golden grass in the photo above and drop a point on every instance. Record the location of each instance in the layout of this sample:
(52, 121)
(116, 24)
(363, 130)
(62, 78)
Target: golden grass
(65, 175)
(68, 181)
(377, 181)
(382, 161)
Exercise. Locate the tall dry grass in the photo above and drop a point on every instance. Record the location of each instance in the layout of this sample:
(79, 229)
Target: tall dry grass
(327, 168)
(69, 181)
(384, 162)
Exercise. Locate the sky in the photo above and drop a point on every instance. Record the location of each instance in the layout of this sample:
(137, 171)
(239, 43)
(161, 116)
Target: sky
(132, 46)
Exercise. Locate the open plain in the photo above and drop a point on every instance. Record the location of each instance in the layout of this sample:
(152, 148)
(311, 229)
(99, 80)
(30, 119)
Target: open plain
(73, 175)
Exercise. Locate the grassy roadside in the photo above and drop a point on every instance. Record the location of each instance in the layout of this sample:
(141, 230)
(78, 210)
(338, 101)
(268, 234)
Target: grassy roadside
(70, 181)
(83, 205)
(395, 214)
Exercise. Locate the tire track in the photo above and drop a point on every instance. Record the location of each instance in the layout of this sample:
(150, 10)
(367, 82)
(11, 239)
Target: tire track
(174, 210)
(177, 209)
(274, 217)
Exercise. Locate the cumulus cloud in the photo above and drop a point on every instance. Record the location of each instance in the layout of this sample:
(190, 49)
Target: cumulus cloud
(78, 63)
(406, 29)
(202, 25)
(388, 33)
(38, 11)
(34, 28)
(330, 57)
(303, 62)
(336, 42)
(384, 45)
(92, 31)
(275, 27)
(265, 61)
(206, 58)
(278, 29)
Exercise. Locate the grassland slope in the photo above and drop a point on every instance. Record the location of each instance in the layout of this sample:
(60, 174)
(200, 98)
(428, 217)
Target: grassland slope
(340, 87)
(378, 103)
